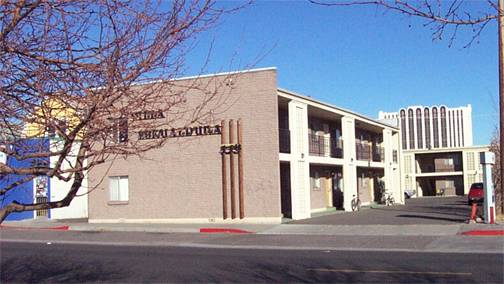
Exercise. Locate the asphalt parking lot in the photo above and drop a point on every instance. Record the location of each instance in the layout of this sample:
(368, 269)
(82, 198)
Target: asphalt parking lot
(416, 211)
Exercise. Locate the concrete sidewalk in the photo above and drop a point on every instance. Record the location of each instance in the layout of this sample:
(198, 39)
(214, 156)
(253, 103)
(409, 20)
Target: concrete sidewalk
(446, 216)
(482, 238)
(267, 229)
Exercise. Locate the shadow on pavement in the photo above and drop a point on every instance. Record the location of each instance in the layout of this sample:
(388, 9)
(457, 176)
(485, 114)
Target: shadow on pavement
(424, 211)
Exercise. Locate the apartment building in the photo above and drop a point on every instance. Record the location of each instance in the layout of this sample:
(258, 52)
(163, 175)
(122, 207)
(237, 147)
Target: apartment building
(265, 154)
(438, 153)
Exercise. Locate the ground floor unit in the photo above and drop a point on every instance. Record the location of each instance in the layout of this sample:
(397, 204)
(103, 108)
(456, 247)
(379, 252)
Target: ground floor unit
(449, 171)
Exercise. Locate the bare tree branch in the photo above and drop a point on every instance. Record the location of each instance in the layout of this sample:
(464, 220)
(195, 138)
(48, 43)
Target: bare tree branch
(76, 75)
(439, 13)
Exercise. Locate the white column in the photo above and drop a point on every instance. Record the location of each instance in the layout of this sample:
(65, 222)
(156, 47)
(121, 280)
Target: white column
(488, 160)
(349, 166)
(300, 167)
(389, 170)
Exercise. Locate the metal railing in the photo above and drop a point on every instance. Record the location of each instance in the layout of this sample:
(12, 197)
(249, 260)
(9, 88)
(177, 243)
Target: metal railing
(432, 168)
(365, 152)
(325, 147)
(447, 168)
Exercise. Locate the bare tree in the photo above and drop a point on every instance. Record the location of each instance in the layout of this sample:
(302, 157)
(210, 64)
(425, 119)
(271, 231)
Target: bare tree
(495, 147)
(441, 14)
(87, 76)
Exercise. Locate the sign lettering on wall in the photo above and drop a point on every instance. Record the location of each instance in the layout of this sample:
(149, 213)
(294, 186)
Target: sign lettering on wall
(147, 115)
(180, 132)
(173, 132)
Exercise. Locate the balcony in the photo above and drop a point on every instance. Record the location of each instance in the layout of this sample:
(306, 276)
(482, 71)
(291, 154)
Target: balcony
(365, 152)
(325, 147)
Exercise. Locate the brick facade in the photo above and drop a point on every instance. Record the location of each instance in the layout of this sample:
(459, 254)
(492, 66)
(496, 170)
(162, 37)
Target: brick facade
(183, 179)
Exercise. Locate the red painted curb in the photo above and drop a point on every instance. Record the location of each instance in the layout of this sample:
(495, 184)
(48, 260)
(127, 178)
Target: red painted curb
(34, 228)
(219, 230)
(483, 233)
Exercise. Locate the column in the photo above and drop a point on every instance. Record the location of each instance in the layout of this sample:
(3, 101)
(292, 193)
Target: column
(300, 167)
(349, 166)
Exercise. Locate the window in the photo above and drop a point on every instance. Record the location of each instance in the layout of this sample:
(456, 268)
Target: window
(411, 129)
(450, 183)
(444, 126)
(56, 127)
(316, 180)
(435, 127)
(427, 129)
(119, 130)
(419, 128)
(119, 189)
(403, 128)
(448, 162)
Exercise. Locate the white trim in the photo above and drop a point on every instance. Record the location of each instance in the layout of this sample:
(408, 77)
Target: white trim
(205, 76)
(334, 109)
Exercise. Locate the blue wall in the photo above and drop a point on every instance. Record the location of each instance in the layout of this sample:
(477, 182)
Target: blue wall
(24, 193)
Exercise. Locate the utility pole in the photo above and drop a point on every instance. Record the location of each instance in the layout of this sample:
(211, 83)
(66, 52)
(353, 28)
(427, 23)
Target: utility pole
(501, 97)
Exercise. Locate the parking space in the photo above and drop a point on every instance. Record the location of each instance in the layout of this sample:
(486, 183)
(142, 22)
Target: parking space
(416, 211)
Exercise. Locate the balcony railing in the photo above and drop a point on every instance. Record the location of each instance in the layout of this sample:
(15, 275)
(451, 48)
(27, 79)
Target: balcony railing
(365, 152)
(362, 151)
(325, 147)
(439, 168)
(448, 168)
(285, 141)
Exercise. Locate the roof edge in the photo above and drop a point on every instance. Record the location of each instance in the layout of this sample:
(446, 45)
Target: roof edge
(385, 125)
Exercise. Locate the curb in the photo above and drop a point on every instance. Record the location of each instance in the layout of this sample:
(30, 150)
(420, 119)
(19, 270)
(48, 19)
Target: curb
(483, 233)
(63, 228)
(221, 230)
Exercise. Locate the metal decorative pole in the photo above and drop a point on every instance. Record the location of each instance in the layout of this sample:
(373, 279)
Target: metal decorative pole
(224, 176)
(232, 170)
(240, 170)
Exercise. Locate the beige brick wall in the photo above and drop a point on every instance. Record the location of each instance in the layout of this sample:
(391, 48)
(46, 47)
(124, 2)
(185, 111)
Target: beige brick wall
(183, 178)
(318, 195)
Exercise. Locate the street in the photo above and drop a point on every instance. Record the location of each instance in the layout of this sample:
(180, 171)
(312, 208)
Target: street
(37, 262)
(412, 243)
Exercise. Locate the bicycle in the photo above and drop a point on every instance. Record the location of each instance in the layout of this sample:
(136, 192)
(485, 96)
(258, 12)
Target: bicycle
(389, 199)
(356, 203)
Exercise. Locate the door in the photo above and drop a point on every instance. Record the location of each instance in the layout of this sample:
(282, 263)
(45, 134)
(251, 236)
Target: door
(327, 141)
(328, 188)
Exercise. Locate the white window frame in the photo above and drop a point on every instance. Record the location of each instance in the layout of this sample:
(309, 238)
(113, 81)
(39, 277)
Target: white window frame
(119, 130)
(316, 180)
(450, 183)
(119, 189)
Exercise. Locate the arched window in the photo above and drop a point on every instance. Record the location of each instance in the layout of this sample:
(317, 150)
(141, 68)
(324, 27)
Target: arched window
(411, 124)
(419, 128)
(458, 128)
(435, 126)
(444, 130)
(427, 128)
(403, 128)
(462, 128)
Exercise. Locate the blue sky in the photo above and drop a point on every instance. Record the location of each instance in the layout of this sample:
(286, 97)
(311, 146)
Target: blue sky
(360, 59)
